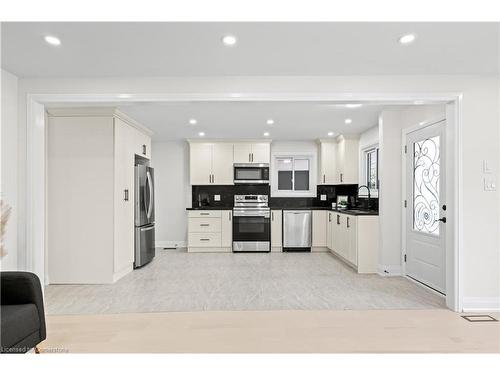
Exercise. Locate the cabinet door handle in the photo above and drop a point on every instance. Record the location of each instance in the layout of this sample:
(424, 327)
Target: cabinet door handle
(144, 149)
(329, 217)
(204, 239)
(230, 215)
(125, 195)
(323, 178)
(249, 157)
(338, 219)
(204, 213)
(341, 177)
(272, 215)
(213, 179)
(204, 225)
(252, 157)
(347, 222)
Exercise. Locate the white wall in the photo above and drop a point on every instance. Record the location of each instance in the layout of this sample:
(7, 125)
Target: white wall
(479, 141)
(391, 124)
(9, 165)
(172, 192)
(367, 139)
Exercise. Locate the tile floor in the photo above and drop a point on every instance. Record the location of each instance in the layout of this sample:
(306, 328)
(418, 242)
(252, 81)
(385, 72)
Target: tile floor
(178, 281)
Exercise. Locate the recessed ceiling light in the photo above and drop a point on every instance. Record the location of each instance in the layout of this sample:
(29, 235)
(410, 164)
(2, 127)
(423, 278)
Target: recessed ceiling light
(348, 121)
(201, 134)
(229, 40)
(193, 121)
(353, 105)
(52, 40)
(330, 134)
(407, 39)
(266, 134)
(270, 121)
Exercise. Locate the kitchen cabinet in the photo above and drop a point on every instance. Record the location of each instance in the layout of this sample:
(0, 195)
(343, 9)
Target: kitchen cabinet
(338, 161)
(91, 158)
(276, 230)
(347, 161)
(355, 240)
(210, 230)
(211, 163)
(247, 152)
(329, 230)
(319, 230)
(328, 163)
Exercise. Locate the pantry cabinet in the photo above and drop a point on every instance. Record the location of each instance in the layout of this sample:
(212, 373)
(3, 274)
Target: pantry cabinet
(90, 196)
(276, 230)
(248, 152)
(211, 163)
(355, 240)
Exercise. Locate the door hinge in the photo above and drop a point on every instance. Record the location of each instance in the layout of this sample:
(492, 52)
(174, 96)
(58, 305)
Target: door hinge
(405, 203)
(406, 149)
(405, 258)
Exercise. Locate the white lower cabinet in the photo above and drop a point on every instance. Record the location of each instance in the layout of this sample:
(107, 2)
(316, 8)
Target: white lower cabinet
(319, 230)
(276, 230)
(355, 240)
(210, 230)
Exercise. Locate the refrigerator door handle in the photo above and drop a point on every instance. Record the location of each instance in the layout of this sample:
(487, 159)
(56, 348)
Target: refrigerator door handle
(150, 194)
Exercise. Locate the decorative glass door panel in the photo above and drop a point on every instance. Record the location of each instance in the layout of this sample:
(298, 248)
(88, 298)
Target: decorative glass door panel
(426, 173)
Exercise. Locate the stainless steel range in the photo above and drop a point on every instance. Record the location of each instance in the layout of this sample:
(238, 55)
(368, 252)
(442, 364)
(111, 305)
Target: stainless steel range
(251, 223)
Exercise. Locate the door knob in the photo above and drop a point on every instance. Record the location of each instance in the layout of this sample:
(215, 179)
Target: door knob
(443, 219)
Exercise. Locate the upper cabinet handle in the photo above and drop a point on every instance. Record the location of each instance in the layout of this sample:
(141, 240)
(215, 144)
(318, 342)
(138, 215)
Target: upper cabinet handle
(144, 149)
(347, 222)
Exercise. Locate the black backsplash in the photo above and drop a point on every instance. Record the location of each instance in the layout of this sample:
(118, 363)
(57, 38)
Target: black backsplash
(203, 195)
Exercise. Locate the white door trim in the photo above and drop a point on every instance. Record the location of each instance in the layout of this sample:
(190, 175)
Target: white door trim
(36, 153)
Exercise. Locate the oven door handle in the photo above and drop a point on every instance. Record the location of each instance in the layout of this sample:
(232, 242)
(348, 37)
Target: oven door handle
(252, 213)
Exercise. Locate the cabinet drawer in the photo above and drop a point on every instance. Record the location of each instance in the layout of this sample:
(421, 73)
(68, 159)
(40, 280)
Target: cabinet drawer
(204, 240)
(204, 225)
(205, 213)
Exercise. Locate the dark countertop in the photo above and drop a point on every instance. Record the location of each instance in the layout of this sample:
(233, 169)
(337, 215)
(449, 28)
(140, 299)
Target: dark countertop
(354, 212)
(209, 208)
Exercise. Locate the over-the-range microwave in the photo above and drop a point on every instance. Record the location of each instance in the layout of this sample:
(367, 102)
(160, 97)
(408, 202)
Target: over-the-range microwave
(250, 173)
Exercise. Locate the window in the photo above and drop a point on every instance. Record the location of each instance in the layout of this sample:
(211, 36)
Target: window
(371, 169)
(293, 176)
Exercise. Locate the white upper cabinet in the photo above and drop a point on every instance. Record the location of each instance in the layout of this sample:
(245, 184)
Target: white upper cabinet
(242, 152)
(261, 153)
(347, 160)
(246, 152)
(222, 164)
(211, 163)
(328, 163)
(338, 162)
(200, 163)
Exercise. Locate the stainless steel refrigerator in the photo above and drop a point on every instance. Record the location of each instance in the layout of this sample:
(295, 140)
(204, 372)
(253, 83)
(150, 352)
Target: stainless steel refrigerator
(144, 215)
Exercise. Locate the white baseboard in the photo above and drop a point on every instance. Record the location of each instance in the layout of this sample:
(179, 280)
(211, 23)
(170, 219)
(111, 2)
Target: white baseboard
(471, 304)
(170, 244)
(385, 270)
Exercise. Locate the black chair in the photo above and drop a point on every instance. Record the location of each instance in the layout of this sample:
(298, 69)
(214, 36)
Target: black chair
(21, 312)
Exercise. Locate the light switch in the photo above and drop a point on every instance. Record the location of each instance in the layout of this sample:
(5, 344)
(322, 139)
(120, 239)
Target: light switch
(322, 197)
(490, 184)
(486, 166)
(217, 197)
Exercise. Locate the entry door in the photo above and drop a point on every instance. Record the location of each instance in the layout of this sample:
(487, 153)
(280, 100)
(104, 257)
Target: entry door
(426, 206)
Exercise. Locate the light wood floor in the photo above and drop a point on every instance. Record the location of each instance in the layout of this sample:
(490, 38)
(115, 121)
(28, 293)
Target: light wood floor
(390, 331)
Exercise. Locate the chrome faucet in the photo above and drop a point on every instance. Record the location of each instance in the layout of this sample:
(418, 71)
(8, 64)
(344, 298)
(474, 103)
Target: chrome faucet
(369, 196)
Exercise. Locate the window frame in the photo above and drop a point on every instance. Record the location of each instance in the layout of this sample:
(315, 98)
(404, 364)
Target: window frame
(365, 169)
(293, 193)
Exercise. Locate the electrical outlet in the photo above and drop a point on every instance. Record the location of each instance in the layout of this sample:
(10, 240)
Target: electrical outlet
(322, 197)
(490, 184)
(217, 197)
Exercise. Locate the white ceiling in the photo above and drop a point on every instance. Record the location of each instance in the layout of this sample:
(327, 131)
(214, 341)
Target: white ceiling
(194, 49)
(230, 120)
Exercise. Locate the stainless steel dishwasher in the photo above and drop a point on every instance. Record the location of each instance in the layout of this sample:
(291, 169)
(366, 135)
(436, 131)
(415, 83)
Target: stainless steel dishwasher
(297, 227)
